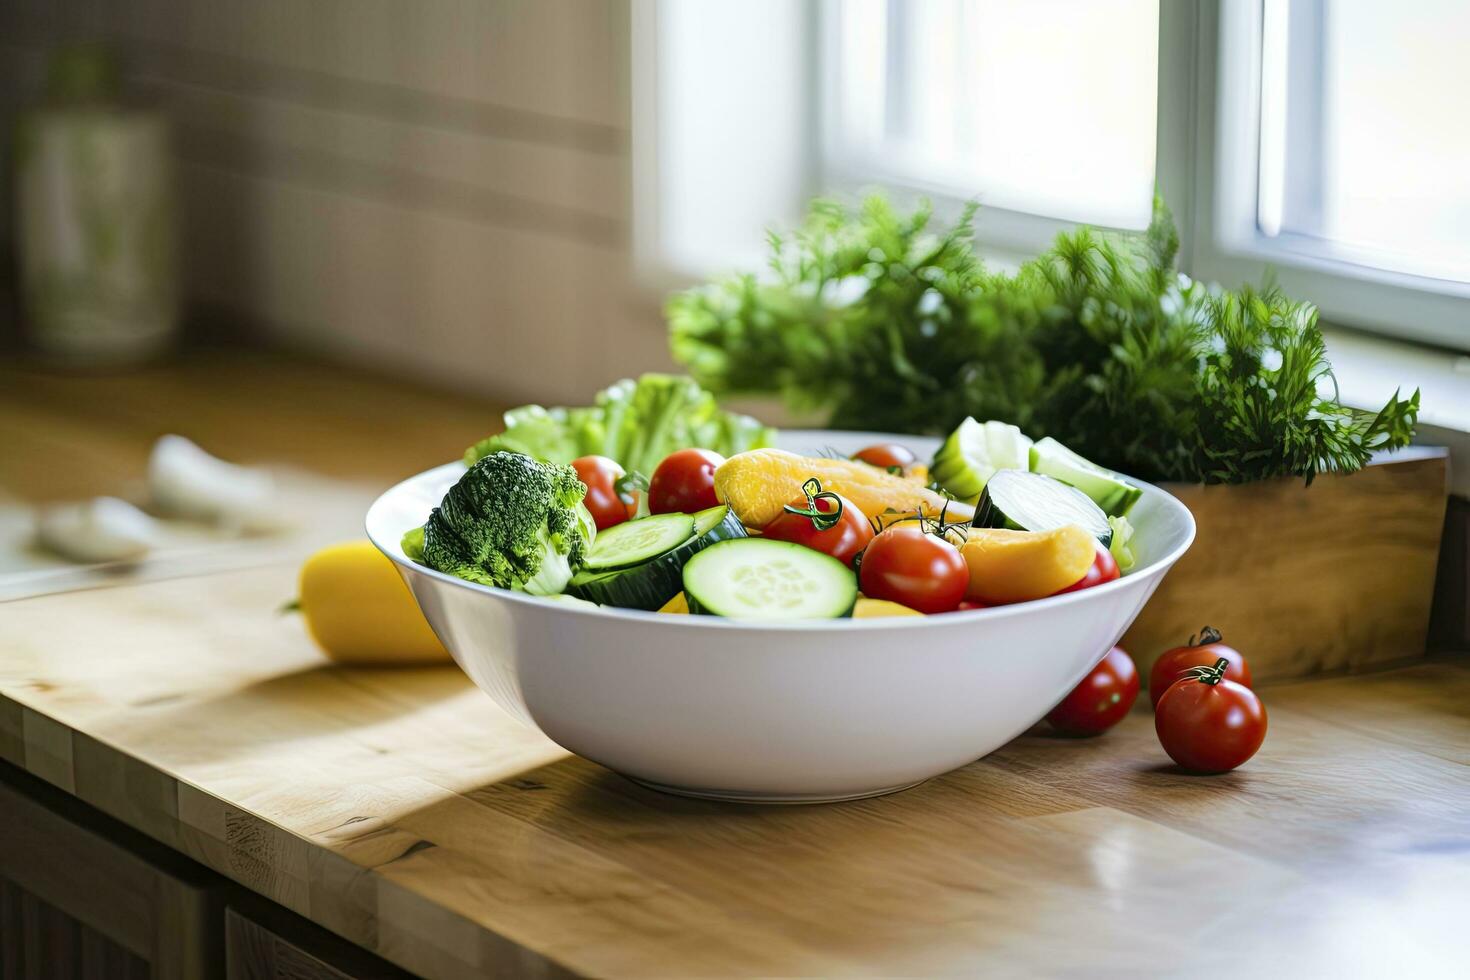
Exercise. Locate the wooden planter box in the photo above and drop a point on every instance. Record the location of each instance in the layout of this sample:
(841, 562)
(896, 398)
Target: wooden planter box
(1337, 576)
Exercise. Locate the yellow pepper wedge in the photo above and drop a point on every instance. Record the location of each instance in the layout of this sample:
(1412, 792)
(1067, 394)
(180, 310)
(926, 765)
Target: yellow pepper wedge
(678, 606)
(1013, 566)
(758, 483)
(358, 610)
(879, 608)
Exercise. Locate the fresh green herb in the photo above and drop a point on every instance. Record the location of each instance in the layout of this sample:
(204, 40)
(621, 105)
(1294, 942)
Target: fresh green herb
(1098, 342)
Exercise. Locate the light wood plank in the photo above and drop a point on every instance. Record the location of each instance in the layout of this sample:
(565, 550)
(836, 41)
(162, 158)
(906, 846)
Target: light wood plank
(250, 406)
(1337, 576)
(558, 178)
(554, 58)
(525, 315)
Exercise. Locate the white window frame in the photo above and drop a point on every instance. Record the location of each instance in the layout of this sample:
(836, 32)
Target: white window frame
(1206, 170)
(1001, 235)
(1011, 236)
(1228, 245)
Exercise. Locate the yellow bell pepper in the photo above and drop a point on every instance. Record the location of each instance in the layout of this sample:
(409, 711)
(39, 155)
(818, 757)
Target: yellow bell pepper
(358, 610)
(758, 483)
(1013, 566)
(678, 605)
(878, 608)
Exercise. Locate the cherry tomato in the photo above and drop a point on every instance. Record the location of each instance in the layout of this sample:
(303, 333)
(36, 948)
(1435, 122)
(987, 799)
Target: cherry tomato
(1174, 664)
(887, 456)
(907, 565)
(1102, 699)
(684, 482)
(601, 475)
(969, 604)
(1104, 569)
(1210, 724)
(842, 541)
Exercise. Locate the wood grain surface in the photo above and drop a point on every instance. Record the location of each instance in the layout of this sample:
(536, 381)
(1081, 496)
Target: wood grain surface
(405, 812)
(1336, 576)
(72, 436)
(333, 438)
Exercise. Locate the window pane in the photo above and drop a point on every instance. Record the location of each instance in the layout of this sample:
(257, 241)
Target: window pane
(731, 129)
(1047, 107)
(1365, 136)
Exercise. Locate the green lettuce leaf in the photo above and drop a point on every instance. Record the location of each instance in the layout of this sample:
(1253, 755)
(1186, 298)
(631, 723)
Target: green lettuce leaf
(637, 423)
(1123, 551)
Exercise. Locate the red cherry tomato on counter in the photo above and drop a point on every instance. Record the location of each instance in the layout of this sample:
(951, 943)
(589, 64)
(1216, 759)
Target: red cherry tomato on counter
(1209, 724)
(601, 476)
(908, 565)
(1102, 699)
(1104, 569)
(839, 529)
(887, 456)
(684, 482)
(1174, 665)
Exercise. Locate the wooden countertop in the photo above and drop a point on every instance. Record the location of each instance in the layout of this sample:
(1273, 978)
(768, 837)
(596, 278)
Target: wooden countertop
(78, 435)
(404, 811)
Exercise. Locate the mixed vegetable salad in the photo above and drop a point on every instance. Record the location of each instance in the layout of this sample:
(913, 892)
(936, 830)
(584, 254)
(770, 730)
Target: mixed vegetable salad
(724, 525)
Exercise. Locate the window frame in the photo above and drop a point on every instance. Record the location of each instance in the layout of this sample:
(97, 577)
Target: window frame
(1227, 243)
(1206, 163)
(1004, 235)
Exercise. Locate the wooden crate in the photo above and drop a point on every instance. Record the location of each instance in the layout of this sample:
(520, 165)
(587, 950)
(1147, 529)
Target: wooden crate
(1337, 576)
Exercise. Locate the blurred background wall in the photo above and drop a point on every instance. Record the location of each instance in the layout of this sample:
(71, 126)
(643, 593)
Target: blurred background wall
(440, 189)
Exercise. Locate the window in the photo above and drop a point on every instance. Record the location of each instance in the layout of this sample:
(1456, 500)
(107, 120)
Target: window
(1046, 107)
(1323, 143)
(1362, 119)
(1044, 111)
(1342, 159)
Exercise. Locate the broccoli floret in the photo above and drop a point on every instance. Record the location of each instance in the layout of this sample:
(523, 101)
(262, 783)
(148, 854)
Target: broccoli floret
(511, 522)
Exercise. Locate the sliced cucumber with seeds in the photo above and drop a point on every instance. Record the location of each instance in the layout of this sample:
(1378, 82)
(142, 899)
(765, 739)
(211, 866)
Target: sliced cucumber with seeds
(1107, 489)
(758, 578)
(973, 452)
(635, 542)
(652, 583)
(1035, 502)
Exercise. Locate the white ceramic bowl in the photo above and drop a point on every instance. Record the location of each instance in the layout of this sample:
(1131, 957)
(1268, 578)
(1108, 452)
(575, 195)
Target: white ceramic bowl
(798, 712)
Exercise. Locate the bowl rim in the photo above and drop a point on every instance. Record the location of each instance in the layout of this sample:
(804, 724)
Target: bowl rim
(393, 551)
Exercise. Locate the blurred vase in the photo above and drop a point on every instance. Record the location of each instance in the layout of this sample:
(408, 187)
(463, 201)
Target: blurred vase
(96, 232)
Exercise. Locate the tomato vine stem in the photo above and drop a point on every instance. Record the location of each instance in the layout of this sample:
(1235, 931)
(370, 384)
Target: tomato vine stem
(1209, 675)
(821, 520)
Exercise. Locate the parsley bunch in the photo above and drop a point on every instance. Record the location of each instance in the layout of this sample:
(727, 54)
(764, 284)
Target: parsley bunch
(1099, 342)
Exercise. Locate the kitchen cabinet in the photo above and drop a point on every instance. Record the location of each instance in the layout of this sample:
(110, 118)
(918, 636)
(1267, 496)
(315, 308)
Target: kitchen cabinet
(82, 897)
(38, 940)
(263, 943)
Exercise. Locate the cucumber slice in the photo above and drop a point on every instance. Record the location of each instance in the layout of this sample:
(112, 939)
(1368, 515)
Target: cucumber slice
(656, 581)
(973, 452)
(635, 542)
(758, 578)
(1035, 502)
(1107, 489)
(710, 518)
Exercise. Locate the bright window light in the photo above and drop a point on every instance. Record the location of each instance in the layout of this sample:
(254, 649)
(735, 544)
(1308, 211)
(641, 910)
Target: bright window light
(1046, 107)
(1365, 140)
(731, 129)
